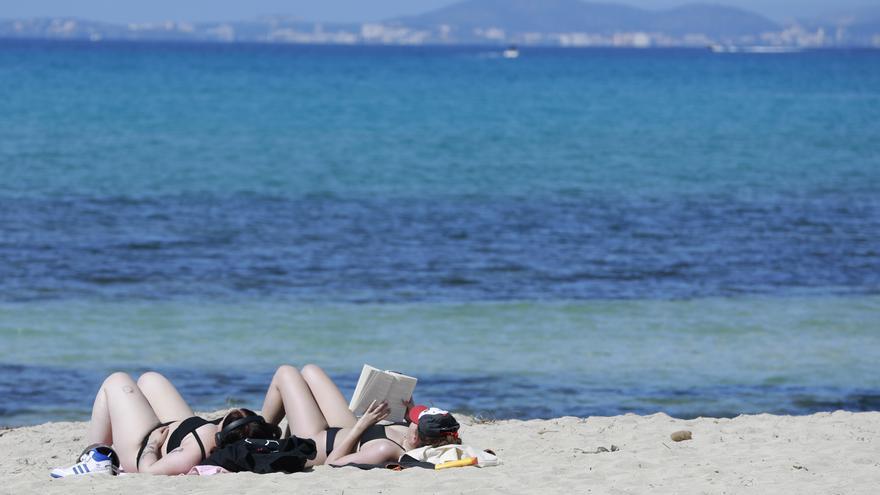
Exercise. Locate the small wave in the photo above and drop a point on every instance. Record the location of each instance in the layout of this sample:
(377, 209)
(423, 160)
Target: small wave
(456, 281)
(110, 279)
(674, 271)
(869, 401)
(506, 268)
(143, 246)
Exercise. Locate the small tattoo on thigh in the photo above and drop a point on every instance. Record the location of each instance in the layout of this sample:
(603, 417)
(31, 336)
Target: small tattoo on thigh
(127, 389)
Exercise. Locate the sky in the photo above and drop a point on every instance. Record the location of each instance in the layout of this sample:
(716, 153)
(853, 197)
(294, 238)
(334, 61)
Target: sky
(338, 10)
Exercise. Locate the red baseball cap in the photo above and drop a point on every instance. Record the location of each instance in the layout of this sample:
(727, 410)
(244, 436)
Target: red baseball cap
(415, 412)
(433, 422)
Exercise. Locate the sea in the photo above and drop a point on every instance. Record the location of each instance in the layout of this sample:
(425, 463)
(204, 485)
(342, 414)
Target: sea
(571, 232)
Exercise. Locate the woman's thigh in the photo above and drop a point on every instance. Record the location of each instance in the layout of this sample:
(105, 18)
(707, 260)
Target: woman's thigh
(304, 417)
(330, 399)
(163, 397)
(131, 417)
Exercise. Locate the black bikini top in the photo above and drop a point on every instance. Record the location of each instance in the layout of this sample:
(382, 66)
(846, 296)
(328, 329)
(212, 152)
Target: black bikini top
(187, 426)
(377, 432)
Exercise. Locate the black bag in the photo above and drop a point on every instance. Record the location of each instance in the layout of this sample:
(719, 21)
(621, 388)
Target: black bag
(259, 455)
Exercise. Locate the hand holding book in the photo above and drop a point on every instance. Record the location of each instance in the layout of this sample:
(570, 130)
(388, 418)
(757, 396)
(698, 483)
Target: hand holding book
(375, 412)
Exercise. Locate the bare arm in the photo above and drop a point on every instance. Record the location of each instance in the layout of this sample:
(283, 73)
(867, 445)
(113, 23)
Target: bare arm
(342, 451)
(150, 453)
(178, 461)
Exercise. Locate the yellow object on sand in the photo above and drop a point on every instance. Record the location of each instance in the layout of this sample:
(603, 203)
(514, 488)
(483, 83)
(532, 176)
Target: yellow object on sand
(467, 461)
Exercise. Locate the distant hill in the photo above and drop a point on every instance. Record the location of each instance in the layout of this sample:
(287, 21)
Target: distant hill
(719, 20)
(497, 22)
(860, 26)
(866, 28)
(546, 16)
(559, 16)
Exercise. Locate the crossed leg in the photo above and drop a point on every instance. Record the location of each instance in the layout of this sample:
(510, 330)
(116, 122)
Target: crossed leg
(311, 402)
(164, 398)
(330, 399)
(289, 395)
(121, 416)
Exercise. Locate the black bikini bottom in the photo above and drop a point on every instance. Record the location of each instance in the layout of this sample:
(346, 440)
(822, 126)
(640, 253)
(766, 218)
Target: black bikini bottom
(331, 439)
(375, 432)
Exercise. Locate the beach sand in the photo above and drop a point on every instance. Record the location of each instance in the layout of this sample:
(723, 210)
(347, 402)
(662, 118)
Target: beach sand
(825, 453)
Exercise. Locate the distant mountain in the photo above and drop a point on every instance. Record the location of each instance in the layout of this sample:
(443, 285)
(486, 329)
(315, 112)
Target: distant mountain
(546, 16)
(721, 21)
(497, 22)
(866, 28)
(866, 14)
(859, 26)
(561, 16)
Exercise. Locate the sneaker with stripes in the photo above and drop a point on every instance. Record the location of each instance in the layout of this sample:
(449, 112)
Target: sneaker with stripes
(91, 462)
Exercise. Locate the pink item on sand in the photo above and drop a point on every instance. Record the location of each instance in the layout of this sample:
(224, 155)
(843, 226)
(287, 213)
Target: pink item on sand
(207, 470)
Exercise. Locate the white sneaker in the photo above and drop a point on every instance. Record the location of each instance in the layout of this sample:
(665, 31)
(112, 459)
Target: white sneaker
(91, 462)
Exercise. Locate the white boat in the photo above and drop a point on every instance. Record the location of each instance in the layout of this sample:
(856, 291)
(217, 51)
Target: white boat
(719, 48)
(510, 52)
(774, 49)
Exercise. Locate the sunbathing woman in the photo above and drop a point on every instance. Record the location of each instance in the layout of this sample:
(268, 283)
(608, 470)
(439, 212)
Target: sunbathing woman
(153, 430)
(316, 409)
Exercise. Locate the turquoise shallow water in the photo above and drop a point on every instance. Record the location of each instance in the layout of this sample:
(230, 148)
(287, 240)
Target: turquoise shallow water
(573, 232)
(516, 359)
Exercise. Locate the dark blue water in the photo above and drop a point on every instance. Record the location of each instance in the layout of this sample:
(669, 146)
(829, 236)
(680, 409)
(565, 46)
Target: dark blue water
(570, 246)
(212, 176)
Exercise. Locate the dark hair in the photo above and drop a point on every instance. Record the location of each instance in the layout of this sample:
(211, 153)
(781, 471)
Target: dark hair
(443, 439)
(258, 428)
(437, 428)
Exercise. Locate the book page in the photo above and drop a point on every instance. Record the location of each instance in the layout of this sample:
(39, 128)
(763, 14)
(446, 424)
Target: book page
(378, 385)
(401, 390)
(366, 372)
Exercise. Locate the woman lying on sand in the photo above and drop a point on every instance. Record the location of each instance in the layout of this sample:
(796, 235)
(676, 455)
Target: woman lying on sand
(316, 409)
(153, 430)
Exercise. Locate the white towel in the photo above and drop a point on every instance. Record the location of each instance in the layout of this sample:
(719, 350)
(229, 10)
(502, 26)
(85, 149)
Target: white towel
(436, 455)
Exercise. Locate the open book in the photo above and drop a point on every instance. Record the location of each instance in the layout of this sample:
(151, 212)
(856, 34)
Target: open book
(378, 385)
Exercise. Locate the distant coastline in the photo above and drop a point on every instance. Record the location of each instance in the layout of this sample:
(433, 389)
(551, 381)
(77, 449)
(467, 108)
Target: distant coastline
(465, 47)
(567, 23)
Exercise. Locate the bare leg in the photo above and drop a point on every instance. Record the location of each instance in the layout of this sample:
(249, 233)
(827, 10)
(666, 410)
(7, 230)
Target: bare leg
(289, 395)
(121, 416)
(333, 405)
(164, 398)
